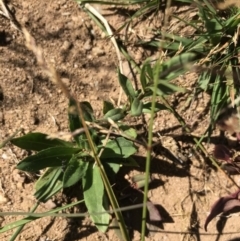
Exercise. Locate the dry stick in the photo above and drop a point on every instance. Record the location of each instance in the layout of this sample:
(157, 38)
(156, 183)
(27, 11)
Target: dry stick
(49, 69)
(69, 215)
(107, 137)
(105, 179)
(100, 129)
(4, 11)
(109, 31)
(8, 14)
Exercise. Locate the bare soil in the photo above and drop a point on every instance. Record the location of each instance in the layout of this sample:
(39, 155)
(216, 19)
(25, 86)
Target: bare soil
(87, 63)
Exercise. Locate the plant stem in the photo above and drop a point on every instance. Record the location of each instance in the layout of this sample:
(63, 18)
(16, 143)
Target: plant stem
(149, 150)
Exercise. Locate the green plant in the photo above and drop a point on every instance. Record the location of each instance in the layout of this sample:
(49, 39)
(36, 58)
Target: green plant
(215, 45)
(68, 163)
(101, 146)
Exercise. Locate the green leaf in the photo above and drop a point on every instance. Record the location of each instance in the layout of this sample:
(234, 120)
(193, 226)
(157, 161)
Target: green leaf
(160, 44)
(214, 26)
(232, 23)
(107, 106)
(87, 111)
(111, 168)
(51, 157)
(49, 184)
(118, 148)
(158, 107)
(114, 114)
(130, 162)
(139, 180)
(76, 169)
(212, 22)
(176, 66)
(94, 197)
(129, 131)
(38, 141)
(204, 80)
(74, 120)
(126, 85)
(136, 107)
(143, 77)
(167, 89)
(218, 97)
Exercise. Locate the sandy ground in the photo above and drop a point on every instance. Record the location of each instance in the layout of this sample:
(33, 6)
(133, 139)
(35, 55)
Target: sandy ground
(87, 64)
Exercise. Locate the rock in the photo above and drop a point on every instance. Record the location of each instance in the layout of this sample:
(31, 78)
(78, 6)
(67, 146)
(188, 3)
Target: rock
(88, 45)
(66, 46)
(66, 81)
(3, 199)
(49, 204)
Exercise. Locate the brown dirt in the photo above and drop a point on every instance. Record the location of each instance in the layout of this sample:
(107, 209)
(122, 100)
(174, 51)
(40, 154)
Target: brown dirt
(87, 64)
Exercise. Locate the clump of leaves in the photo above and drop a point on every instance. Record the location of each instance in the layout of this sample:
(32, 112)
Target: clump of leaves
(231, 164)
(223, 205)
(66, 163)
(73, 163)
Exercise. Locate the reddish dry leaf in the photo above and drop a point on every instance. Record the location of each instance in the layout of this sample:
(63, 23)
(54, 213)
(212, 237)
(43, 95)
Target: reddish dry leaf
(154, 214)
(229, 205)
(232, 169)
(221, 152)
(238, 136)
(223, 205)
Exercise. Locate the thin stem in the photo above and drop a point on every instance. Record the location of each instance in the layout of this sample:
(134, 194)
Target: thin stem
(149, 150)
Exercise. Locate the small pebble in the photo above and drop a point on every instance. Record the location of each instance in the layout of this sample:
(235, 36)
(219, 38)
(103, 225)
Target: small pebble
(3, 199)
(66, 46)
(4, 156)
(66, 81)
(49, 204)
(88, 45)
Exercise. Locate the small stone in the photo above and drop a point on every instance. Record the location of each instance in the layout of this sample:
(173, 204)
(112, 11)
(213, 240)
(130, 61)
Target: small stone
(3, 199)
(66, 81)
(66, 46)
(49, 204)
(97, 113)
(88, 45)
(82, 96)
(4, 156)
